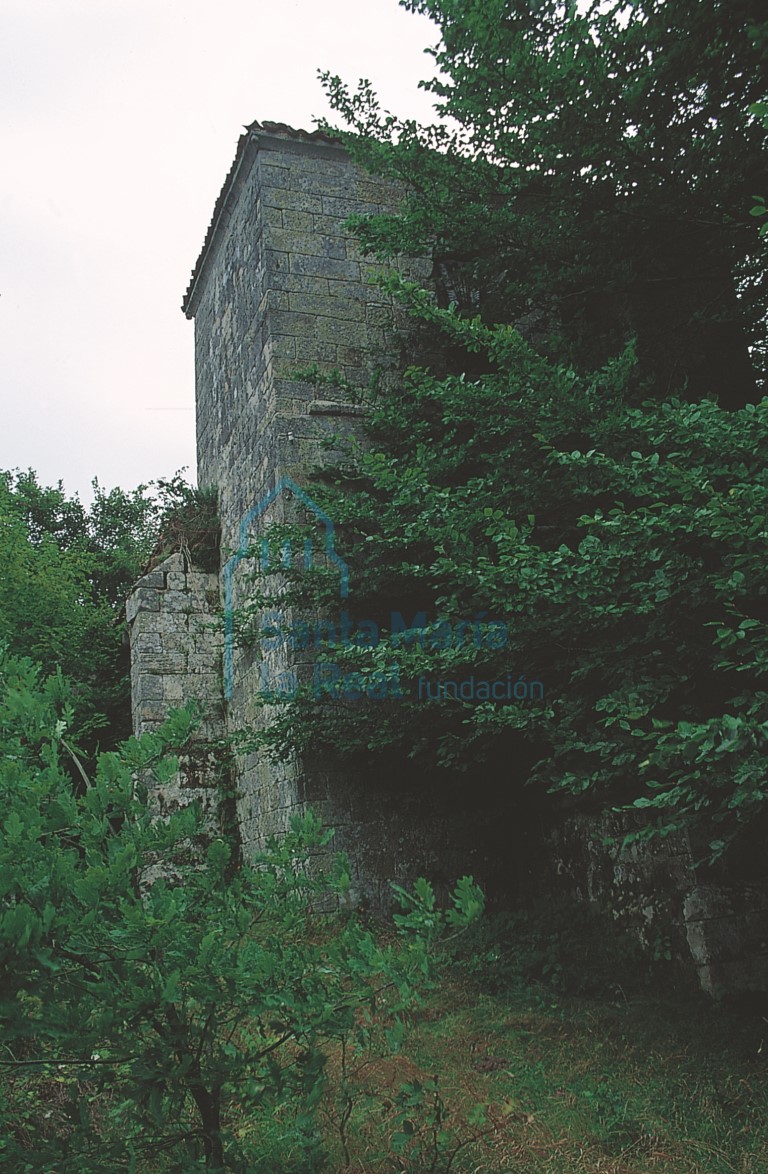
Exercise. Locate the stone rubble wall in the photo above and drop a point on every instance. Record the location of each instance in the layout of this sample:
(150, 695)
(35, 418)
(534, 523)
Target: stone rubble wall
(726, 927)
(660, 890)
(175, 635)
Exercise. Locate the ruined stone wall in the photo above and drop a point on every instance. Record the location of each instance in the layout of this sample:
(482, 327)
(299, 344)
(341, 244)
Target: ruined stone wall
(175, 634)
(661, 891)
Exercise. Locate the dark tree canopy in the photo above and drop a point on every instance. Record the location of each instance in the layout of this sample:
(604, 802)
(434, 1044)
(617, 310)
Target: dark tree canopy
(593, 180)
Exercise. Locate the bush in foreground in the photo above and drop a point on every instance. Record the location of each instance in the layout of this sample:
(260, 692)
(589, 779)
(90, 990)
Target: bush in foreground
(153, 1024)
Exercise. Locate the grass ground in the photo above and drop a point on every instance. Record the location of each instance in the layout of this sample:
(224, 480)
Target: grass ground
(545, 1049)
(507, 1068)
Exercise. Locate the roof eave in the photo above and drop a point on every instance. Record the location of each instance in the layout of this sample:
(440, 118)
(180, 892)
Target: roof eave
(258, 136)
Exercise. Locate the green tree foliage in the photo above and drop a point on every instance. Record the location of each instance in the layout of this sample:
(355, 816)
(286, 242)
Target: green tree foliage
(68, 569)
(179, 1017)
(66, 573)
(591, 179)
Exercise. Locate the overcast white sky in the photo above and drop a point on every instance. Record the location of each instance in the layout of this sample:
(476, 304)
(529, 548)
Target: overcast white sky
(119, 121)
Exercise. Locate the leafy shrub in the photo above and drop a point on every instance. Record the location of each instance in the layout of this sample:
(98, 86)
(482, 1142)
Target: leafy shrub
(185, 1021)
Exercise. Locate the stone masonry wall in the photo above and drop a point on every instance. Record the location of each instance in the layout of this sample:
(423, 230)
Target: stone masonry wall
(175, 635)
(282, 286)
(660, 891)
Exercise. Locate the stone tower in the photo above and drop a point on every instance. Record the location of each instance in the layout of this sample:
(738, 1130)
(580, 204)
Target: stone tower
(280, 285)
